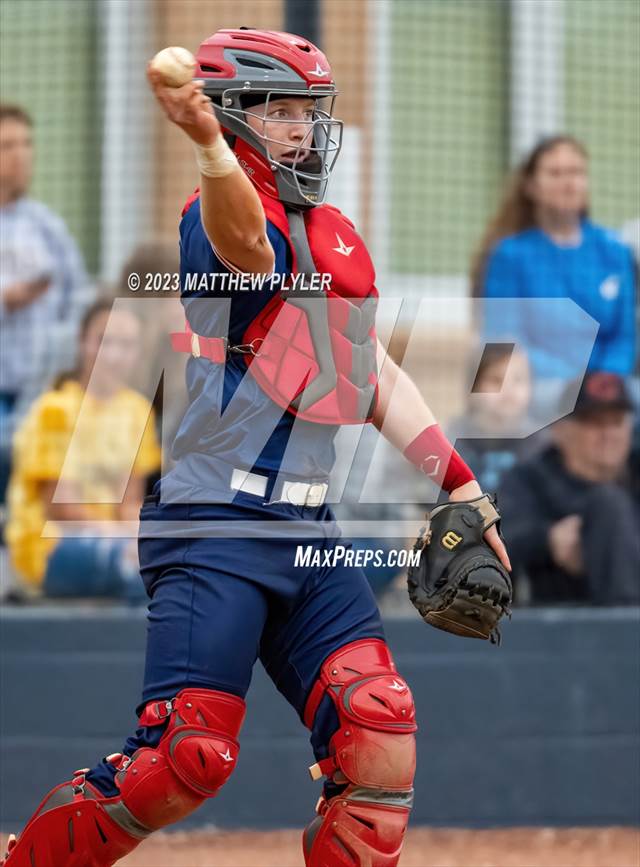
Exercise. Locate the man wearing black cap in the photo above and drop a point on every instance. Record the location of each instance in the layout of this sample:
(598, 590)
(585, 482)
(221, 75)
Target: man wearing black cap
(573, 513)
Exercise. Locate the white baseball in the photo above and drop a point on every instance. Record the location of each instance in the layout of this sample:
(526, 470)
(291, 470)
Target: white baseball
(176, 65)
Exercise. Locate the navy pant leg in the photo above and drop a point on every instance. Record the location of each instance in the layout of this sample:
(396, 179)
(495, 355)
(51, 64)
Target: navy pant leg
(204, 625)
(337, 607)
(216, 604)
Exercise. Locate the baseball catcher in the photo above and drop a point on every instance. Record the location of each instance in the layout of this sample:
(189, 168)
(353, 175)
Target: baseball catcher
(290, 371)
(460, 585)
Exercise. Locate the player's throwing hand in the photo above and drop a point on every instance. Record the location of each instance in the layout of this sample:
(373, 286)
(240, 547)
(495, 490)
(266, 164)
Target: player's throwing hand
(187, 107)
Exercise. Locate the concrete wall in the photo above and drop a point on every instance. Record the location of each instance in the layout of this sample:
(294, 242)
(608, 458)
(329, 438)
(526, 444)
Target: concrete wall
(544, 730)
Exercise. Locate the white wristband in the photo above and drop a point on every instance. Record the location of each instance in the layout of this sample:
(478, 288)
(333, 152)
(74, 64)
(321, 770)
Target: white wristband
(216, 160)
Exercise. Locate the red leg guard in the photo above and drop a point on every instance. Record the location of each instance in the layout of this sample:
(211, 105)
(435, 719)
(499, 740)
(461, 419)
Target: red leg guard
(356, 834)
(195, 757)
(373, 753)
(71, 828)
(76, 826)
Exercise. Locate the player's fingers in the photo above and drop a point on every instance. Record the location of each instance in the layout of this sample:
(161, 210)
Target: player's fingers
(186, 105)
(176, 100)
(161, 88)
(190, 95)
(493, 539)
(199, 102)
(154, 78)
(165, 95)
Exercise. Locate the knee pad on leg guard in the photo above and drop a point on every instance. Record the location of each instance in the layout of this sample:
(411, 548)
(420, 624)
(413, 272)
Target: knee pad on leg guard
(372, 754)
(196, 755)
(77, 826)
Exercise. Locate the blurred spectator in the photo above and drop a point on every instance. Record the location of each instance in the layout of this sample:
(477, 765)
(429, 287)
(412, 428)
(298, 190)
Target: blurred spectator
(571, 513)
(541, 244)
(41, 274)
(79, 441)
(492, 434)
(157, 264)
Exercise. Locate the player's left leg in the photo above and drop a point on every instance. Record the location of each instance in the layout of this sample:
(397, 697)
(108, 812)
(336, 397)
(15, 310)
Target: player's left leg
(330, 660)
(363, 815)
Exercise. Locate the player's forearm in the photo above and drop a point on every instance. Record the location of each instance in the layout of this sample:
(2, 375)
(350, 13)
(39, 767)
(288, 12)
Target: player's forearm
(401, 411)
(403, 417)
(234, 220)
(232, 214)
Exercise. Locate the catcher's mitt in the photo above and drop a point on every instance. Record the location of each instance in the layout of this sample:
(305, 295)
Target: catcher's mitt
(459, 584)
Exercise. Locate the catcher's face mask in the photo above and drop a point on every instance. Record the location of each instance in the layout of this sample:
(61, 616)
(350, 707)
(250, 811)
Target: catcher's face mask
(245, 73)
(297, 135)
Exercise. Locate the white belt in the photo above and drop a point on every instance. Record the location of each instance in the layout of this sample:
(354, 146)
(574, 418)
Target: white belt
(296, 493)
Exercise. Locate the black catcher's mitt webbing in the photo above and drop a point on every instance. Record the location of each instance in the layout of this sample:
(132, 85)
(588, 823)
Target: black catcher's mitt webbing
(459, 584)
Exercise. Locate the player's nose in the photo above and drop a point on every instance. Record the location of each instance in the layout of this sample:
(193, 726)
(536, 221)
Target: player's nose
(297, 131)
(300, 129)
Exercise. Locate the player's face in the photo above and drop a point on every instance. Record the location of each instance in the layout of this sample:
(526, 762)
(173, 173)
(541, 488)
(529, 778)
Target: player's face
(16, 158)
(287, 125)
(560, 182)
(117, 345)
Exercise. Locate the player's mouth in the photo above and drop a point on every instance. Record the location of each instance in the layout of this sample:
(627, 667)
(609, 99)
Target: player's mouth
(294, 156)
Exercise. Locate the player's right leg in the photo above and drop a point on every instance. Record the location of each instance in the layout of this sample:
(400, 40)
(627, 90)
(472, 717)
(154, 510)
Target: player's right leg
(76, 825)
(205, 623)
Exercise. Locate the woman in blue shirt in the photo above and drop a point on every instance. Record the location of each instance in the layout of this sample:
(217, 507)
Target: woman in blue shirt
(541, 244)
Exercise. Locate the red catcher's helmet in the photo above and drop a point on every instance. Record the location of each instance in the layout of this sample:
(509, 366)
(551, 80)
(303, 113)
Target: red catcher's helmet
(244, 67)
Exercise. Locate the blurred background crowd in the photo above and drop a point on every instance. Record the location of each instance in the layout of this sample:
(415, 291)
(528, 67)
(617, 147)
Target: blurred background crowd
(490, 161)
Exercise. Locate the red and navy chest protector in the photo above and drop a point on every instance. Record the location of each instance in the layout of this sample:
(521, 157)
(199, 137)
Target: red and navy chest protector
(316, 338)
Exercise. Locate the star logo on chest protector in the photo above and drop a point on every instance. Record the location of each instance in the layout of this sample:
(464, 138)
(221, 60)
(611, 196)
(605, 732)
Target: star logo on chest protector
(342, 247)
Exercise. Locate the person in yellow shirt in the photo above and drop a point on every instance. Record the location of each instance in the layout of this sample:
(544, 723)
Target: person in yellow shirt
(76, 458)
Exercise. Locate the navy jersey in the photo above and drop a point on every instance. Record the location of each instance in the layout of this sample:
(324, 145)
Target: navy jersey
(228, 414)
